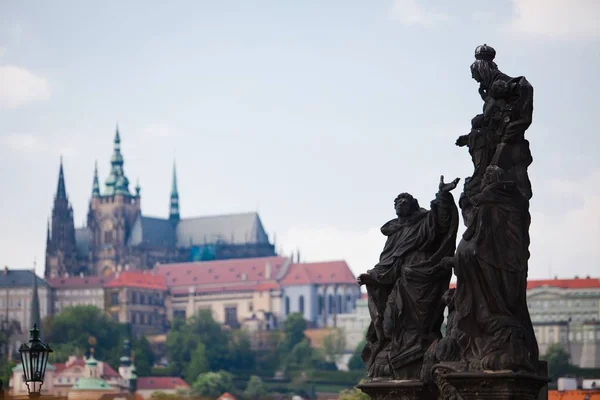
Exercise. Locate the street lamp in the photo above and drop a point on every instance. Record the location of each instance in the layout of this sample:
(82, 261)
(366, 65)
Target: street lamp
(34, 358)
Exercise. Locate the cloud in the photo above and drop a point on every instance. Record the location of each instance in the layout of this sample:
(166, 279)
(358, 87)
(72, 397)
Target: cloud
(158, 130)
(557, 18)
(22, 143)
(360, 249)
(21, 87)
(410, 12)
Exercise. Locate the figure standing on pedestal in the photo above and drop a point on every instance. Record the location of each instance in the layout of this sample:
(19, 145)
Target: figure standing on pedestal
(406, 286)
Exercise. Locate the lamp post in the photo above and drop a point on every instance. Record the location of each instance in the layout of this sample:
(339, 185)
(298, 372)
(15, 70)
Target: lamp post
(34, 358)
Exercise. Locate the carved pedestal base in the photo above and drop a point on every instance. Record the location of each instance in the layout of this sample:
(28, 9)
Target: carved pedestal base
(489, 385)
(397, 390)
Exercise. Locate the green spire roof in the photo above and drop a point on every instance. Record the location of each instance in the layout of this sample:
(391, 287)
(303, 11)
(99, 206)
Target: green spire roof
(174, 203)
(61, 191)
(117, 182)
(96, 184)
(34, 314)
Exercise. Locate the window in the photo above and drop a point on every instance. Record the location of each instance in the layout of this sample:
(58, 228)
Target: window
(108, 238)
(179, 314)
(250, 307)
(321, 305)
(287, 305)
(114, 298)
(231, 317)
(134, 297)
(301, 304)
(338, 303)
(330, 304)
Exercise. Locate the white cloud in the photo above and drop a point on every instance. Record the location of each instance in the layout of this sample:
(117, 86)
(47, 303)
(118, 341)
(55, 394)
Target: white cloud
(360, 249)
(19, 87)
(410, 12)
(557, 18)
(158, 130)
(22, 142)
(565, 245)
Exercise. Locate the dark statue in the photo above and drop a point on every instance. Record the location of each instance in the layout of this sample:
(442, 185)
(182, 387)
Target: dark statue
(406, 285)
(488, 328)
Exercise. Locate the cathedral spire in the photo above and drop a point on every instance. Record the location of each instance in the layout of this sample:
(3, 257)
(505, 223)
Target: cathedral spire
(96, 184)
(61, 191)
(174, 203)
(117, 182)
(34, 313)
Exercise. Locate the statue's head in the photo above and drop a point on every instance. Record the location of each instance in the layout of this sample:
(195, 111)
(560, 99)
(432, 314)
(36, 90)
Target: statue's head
(405, 205)
(482, 70)
(492, 174)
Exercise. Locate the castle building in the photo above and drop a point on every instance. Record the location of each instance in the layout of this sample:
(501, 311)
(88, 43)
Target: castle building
(119, 235)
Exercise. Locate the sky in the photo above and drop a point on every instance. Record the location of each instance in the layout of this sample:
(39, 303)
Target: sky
(314, 113)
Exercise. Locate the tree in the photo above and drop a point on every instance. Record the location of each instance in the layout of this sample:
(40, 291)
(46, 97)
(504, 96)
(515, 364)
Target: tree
(356, 362)
(75, 325)
(334, 345)
(144, 356)
(255, 389)
(353, 394)
(241, 356)
(294, 327)
(212, 384)
(163, 396)
(198, 363)
(558, 361)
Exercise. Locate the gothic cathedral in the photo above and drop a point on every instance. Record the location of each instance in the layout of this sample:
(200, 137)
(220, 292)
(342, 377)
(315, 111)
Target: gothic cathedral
(118, 236)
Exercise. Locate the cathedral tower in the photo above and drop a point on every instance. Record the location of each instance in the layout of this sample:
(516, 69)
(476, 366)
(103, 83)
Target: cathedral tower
(174, 202)
(61, 253)
(111, 216)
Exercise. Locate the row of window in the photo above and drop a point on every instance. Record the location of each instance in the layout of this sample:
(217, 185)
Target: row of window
(563, 302)
(140, 298)
(333, 303)
(82, 292)
(579, 317)
(549, 336)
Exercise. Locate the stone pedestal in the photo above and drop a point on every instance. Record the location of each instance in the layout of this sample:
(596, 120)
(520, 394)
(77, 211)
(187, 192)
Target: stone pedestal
(489, 385)
(397, 390)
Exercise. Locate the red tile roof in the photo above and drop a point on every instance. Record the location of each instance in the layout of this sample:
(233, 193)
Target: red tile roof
(327, 272)
(222, 274)
(160, 382)
(226, 396)
(138, 279)
(575, 283)
(107, 370)
(76, 282)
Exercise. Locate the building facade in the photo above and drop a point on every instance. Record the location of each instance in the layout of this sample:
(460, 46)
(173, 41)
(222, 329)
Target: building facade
(320, 291)
(137, 298)
(24, 299)
(567, 311)
(117, 234)
(355, 324)
(78, 291)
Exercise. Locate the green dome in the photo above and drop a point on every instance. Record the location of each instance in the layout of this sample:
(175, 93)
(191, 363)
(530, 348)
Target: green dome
(91, 384)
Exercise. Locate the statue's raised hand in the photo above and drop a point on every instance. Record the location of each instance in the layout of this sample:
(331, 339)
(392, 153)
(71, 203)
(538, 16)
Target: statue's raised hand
(447, 187)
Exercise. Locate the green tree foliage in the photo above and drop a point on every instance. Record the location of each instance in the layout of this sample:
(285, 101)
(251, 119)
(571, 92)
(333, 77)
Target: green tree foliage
(353, 394)
(294, 327)
(334, 345)
(198, 363)
(241, 356)
(255, 389)
(164, 396)
(212, 384)
(558, 361)
(356, 362)
(144, 356)
(75, 325)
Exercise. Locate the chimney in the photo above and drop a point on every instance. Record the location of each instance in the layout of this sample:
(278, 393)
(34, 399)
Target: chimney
(6, 270)
(268, 269)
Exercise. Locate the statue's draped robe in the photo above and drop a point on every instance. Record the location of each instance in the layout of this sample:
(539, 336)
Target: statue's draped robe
(491, 266)
(404, 303)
